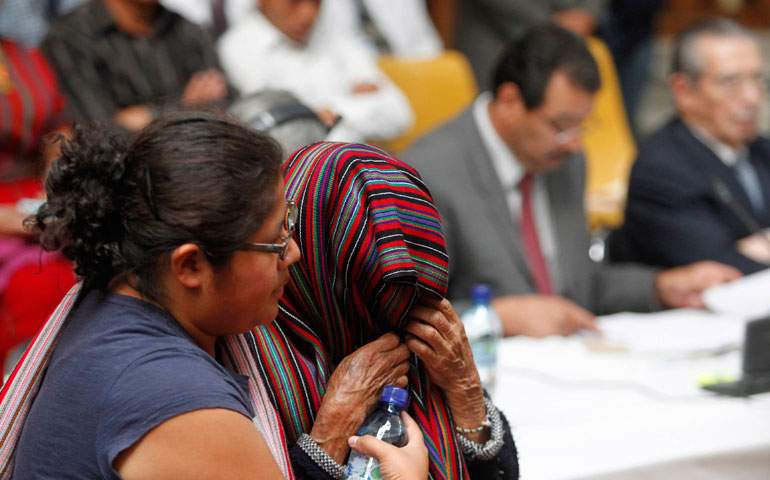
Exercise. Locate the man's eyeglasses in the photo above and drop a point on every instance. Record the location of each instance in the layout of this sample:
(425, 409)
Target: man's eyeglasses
(566, 135)
(283, 243)
(734, 83)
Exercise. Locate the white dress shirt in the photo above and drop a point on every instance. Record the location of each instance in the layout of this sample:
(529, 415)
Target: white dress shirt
(724, 152)
(510, 172)
(322, 74)
(738, 160)
(404, 24)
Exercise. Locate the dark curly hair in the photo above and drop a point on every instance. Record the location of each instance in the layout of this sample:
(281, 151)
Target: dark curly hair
(118, 206)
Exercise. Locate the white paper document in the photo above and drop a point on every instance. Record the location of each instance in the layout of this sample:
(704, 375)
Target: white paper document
(748, 296)
(682, 331)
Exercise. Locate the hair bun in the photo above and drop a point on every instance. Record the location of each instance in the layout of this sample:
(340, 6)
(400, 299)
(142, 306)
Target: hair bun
(82, 215)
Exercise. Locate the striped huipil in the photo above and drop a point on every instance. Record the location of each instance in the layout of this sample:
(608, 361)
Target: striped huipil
(371, 245)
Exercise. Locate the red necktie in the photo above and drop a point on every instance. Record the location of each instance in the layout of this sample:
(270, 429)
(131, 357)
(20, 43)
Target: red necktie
(535, 258)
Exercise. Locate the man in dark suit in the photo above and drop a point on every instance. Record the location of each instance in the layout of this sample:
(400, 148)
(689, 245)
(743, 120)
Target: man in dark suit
(701, 185)
(508, 178)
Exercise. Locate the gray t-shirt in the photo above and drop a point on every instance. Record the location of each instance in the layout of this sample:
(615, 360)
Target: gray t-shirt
(121, 367)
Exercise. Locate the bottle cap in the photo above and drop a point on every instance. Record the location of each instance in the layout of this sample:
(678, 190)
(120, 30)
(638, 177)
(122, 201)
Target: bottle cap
(395, 395)
(481, 293)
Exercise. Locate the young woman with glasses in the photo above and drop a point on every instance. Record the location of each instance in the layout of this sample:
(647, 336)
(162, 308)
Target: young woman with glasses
(182, 240)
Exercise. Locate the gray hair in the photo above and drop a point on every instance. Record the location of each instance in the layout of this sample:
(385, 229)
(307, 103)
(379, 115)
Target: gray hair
(281, 115)
(686, 58)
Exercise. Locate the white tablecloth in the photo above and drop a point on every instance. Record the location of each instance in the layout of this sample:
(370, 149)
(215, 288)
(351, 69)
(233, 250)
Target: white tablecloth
(577, 413)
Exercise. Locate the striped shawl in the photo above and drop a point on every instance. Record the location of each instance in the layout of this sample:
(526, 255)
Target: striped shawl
(371, 245)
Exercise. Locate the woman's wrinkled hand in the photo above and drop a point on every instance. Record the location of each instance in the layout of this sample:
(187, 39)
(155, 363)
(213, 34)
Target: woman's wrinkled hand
(437, 336)
(354, 388)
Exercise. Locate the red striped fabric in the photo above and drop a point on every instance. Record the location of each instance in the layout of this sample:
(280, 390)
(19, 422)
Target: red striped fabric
(30, 105)
(371, 245)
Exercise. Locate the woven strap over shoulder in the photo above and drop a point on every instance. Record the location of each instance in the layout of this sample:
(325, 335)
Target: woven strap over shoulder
(18, 393)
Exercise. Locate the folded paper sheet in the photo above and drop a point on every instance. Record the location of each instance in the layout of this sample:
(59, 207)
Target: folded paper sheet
(678, 332)
(748, 296)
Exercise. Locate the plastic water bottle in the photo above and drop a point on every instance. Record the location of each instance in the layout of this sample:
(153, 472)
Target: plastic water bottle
(384, 423)
(484, 330)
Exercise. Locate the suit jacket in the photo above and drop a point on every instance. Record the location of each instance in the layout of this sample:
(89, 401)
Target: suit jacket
(483, 241)
(674, 216)
(485, 25)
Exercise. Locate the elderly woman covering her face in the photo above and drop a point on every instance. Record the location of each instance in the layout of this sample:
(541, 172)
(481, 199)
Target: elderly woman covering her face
(373, 262)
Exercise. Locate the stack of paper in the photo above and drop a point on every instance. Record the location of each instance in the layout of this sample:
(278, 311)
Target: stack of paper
(691, 331)
(683, 331)
(748, 296)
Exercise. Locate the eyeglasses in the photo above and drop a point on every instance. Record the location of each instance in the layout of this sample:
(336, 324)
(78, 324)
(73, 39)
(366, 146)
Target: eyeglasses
(734, 83)
(283, 244)
(566, 135)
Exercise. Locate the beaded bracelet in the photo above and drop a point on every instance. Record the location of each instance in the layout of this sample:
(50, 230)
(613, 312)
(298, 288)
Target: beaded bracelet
(489, 450)
(321, 458)
(465, 431)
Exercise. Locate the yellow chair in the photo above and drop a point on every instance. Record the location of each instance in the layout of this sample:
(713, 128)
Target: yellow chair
(437, 88)
(609, 146)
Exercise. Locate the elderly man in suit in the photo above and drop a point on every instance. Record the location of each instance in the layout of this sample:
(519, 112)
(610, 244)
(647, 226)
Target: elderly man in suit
(508, 178)
(700, 188)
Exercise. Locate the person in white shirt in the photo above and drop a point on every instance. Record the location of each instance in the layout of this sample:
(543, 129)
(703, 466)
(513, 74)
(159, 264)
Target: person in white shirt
(276, 47)
(398, 27)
